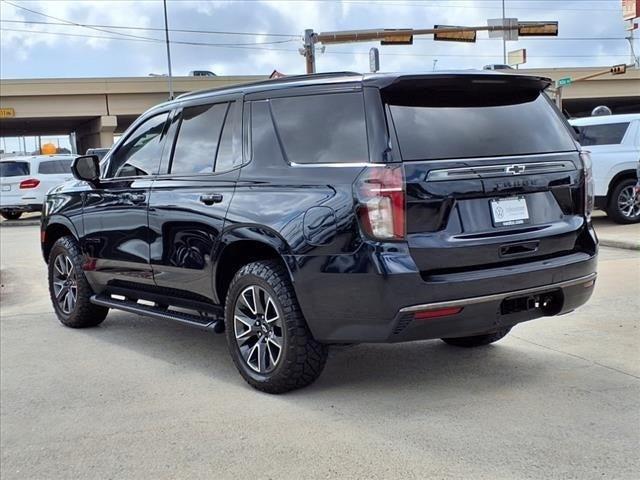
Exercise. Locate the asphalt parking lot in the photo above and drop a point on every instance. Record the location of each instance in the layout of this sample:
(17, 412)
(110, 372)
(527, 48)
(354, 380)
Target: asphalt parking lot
(140, 398)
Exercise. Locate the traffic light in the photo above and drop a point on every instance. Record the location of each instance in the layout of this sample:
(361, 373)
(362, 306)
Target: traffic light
(618, 69)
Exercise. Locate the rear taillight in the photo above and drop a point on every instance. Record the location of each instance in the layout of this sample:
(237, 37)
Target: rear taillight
(29, 183)
(380, 192)
(588, 201)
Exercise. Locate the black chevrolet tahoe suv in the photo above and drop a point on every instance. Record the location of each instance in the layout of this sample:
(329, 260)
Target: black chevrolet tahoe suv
(297, 213)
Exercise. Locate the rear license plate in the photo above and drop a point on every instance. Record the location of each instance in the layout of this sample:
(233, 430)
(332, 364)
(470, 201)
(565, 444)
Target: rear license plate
(6, 188)
(509, 211)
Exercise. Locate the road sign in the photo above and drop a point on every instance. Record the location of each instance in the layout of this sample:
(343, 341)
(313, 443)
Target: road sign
(510, 23)
(374, 60)
(7, 113)
(517, 57)
(563, 82)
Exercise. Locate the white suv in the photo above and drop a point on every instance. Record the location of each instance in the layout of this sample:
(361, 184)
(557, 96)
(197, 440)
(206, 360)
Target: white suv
(614, 143)
(24, 181)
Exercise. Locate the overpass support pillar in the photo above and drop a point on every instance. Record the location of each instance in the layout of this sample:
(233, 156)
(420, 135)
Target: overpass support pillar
(97, 133)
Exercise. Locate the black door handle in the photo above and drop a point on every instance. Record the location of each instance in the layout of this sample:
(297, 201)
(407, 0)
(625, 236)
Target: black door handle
(137, 197)
(211, 198)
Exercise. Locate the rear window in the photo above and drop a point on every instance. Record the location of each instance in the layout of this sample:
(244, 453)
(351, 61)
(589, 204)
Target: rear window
(327, 128)
(14, 169)
(52, 167)
(606, 134)
(440, 125)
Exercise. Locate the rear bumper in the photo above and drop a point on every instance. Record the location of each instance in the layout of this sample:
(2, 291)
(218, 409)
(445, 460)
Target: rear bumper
(25, 207)
(372, 296)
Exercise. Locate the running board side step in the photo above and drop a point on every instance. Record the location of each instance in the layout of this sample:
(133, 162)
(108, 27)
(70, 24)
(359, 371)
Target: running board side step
(208, 323)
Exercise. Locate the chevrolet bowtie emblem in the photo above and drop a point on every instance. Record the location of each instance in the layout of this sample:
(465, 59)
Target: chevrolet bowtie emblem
(515, 169)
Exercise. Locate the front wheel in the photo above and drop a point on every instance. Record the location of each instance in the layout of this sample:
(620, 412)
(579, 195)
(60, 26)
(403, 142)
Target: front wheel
(477, 340)
(267, 335)
(69, 289)
(11, 215)
(624, 204)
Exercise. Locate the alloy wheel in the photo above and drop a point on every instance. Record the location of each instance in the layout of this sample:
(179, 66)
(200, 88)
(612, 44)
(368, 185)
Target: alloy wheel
(629, 202)
(65, 285)
(257, 326)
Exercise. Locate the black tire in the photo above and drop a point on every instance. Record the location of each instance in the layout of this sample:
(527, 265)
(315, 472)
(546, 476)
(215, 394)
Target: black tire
(84, 313)
(11, 215)
(477, 340)
(301, 359)
(614, 209)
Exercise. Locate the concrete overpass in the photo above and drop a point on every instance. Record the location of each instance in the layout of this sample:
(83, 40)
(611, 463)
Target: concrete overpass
(93, 108)
(97, 108)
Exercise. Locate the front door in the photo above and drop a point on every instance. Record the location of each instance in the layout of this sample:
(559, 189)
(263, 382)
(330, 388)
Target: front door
(116, 229)
(188, 205)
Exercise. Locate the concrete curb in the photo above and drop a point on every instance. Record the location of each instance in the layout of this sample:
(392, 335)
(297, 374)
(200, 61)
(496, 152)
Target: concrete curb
(608, 242)
(20, 223)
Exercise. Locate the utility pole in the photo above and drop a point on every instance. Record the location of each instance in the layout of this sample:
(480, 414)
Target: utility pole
(310, 50)
(166, 36)
(504, 40)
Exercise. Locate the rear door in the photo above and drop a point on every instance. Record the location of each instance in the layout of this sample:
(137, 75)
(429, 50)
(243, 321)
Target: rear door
(612, 146)
(188, 204)
(492, 172)
(12, 173)
(116, 231)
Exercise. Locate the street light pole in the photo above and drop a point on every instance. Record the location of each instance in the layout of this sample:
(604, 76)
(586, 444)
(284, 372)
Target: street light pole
(504, 40)
(166, 36)
(310, 51)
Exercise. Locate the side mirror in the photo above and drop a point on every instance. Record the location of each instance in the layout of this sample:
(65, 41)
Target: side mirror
(86, 168)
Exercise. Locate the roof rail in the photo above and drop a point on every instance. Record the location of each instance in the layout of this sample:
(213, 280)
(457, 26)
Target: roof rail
(270, 81)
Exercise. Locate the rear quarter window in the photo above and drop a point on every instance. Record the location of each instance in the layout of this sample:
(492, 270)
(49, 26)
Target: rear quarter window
(14, 169)
(55, 167)
(605, 134)
(327, 128)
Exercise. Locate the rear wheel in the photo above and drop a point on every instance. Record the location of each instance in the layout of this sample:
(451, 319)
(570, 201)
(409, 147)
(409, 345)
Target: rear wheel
(267, 335)
(624, 204)
(11, 215)
(477, 340)
(69, 289)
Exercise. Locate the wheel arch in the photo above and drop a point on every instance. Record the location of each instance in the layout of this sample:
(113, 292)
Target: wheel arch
(57, 227)
(618, 177)
(243, 245)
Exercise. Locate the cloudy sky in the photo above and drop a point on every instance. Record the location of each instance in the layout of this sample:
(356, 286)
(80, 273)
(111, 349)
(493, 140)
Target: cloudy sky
(123, 39)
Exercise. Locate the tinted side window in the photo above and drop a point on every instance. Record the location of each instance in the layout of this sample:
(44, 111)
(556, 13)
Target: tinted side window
(322, 128)
(198, 138)
(606, 134)
(13, 169)
(52, 167)
(140, 153)
(230, 149)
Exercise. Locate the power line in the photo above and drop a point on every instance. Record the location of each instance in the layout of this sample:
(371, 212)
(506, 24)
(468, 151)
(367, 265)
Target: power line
(69, 22)
(256, 46)
(158, 40)
(429, 4)
(155, 29)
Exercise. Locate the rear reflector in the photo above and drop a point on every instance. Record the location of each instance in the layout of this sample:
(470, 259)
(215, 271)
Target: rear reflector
(29, 183)
(441, 312)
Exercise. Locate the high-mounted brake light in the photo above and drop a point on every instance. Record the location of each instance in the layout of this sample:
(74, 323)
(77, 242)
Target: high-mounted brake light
(29, 183)
(380, 192)
(588, 201)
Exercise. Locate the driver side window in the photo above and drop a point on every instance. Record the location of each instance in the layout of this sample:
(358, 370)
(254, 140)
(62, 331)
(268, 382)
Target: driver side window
(140, 154)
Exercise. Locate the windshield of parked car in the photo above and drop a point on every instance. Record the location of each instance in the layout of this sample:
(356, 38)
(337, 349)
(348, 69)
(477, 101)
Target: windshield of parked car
(14, 169)
(441, 124)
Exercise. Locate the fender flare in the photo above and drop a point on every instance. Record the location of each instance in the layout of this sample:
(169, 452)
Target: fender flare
(254, 233)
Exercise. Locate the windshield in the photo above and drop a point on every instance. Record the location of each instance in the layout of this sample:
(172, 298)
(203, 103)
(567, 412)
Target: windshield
(456, 124)
(14, 169)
